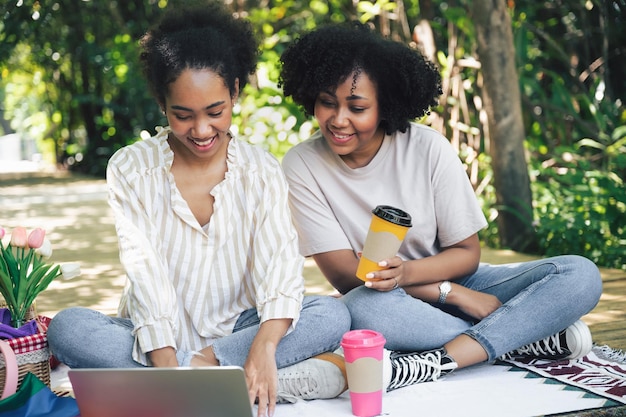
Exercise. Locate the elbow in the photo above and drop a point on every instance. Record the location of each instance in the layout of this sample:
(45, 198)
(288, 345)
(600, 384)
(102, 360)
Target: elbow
(473, 268)
(473, 262)
(344, 286)
(472, 249)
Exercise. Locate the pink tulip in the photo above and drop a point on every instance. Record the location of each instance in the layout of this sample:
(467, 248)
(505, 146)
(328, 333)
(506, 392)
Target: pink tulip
(18, 237)
(36, 237)
(2, 232)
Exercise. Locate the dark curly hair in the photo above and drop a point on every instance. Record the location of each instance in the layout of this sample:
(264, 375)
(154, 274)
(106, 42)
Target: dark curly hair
(407, 83)
(198, 36)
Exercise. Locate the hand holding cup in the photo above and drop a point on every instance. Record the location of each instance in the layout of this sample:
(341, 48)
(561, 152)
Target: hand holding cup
(387, 230)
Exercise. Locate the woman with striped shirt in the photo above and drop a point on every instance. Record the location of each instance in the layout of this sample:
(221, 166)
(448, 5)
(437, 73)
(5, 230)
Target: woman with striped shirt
(205, 235)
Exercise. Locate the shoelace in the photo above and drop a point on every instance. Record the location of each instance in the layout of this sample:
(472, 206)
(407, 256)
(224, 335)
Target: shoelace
(294, 386)
(415, 368)
(550, 346)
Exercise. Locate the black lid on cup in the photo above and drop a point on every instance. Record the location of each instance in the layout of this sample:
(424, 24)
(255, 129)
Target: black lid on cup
(393, 215)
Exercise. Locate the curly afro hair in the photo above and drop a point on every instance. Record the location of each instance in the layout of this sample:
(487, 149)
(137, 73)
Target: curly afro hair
(198, 36)
(407, 83)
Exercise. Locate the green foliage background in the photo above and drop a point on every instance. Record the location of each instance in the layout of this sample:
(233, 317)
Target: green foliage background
(70, 79)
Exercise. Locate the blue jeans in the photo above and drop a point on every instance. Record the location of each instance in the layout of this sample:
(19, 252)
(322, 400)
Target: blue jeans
(539, 298)
(85, 338)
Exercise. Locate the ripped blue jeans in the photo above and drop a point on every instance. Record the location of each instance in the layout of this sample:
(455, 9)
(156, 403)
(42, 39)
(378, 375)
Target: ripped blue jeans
(539, 298)
(85, 338)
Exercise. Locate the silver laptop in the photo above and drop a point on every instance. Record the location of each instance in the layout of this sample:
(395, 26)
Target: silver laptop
(219, 391)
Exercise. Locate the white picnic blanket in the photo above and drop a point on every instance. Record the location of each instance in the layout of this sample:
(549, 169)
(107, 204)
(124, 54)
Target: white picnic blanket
(480, 391)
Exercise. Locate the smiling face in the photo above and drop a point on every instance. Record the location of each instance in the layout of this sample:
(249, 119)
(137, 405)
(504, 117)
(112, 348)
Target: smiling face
(199, 107)
(349, 119)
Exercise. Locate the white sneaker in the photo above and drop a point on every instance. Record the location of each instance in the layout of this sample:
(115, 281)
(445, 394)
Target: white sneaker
(322, 376)
(571, 343)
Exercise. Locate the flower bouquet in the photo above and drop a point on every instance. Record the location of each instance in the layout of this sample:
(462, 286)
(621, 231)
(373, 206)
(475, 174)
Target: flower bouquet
(24, 274)
(23, 270)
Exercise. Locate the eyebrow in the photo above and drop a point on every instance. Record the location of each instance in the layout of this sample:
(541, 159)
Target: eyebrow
(351, 97)
(219, 103)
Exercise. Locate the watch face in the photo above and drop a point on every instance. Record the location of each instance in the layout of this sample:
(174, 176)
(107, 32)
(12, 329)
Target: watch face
(444, 290)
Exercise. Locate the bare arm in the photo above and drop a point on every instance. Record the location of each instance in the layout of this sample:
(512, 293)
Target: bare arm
(164, 357)
(339, 268)
(260, 367)
(419, 278)
(453, 262)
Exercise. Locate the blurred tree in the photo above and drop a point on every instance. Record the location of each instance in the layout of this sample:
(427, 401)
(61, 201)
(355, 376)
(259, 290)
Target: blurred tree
(501, 94)
(85, 55)
(69, 76)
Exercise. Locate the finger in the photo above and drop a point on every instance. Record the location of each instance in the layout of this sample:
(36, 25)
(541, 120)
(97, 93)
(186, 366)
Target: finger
(396, 283)
(272, 405)
(380, 285)
(262, 408)
(390, 283)
(391, 262)
(382, 275)
(272, 394)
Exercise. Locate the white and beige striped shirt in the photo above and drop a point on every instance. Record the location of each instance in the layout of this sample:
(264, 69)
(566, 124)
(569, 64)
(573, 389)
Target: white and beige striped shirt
(186, 285)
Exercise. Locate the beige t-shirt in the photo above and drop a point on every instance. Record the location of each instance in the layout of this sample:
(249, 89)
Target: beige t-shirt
(417, 171)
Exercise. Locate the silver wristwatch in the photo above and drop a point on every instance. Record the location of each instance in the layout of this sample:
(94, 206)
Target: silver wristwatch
(444, 290)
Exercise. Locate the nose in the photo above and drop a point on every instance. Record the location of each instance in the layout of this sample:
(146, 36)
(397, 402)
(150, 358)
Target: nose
(341, 117)
(201, 128)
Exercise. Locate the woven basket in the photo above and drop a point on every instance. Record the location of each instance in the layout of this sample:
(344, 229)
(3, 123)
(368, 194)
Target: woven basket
(32, 352)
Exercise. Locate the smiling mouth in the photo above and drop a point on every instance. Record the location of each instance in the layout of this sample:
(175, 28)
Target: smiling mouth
(203, 143)
(341, 137)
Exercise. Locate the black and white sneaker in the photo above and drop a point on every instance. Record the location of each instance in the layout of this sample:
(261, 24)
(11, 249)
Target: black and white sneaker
(415, 367)
(571, 343)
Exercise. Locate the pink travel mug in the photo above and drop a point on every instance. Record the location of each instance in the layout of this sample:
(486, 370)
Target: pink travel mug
(363, 351)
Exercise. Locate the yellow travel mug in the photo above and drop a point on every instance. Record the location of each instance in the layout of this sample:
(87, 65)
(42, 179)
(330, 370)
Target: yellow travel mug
(384, 237)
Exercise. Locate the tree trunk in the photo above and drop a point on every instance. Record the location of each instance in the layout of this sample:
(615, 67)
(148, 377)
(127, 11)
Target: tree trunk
(5, 124)
(506, 129)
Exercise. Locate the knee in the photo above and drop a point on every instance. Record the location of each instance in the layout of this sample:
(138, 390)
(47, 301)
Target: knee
(367, 307)
(586, 275)
(361, 300)
(66, 324)
(333, 313)
(585, 269)
(592, 273)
